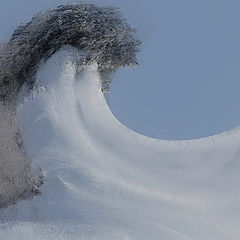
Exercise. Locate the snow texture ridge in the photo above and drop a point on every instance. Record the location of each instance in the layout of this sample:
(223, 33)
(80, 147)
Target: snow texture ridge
(102, 181)
(101, 33)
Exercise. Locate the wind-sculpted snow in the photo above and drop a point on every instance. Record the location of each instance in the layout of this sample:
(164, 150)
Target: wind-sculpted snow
(101, 33)
(104, 181)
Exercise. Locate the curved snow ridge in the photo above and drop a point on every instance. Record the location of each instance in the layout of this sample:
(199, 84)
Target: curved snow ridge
(104, 181)
(101, 34)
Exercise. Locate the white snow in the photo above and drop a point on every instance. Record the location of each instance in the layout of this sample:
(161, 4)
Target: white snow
(104, 181)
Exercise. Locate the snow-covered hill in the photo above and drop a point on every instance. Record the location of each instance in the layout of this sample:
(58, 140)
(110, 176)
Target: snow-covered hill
(104, 181)
(101, 180)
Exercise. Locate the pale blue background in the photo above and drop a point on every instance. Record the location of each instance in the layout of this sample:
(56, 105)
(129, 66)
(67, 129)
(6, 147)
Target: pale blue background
(188, 83)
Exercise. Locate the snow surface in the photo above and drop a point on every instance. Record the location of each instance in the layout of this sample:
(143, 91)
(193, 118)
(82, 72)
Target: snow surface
(104, 181)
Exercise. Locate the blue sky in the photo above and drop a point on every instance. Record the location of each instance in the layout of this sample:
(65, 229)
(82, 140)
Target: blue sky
(187, 85)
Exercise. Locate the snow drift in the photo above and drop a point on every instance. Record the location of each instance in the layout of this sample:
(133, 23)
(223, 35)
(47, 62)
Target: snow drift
(104, 181)
(102, 35)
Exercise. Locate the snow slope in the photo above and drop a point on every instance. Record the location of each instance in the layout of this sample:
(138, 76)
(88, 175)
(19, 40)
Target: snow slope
(104, 181)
